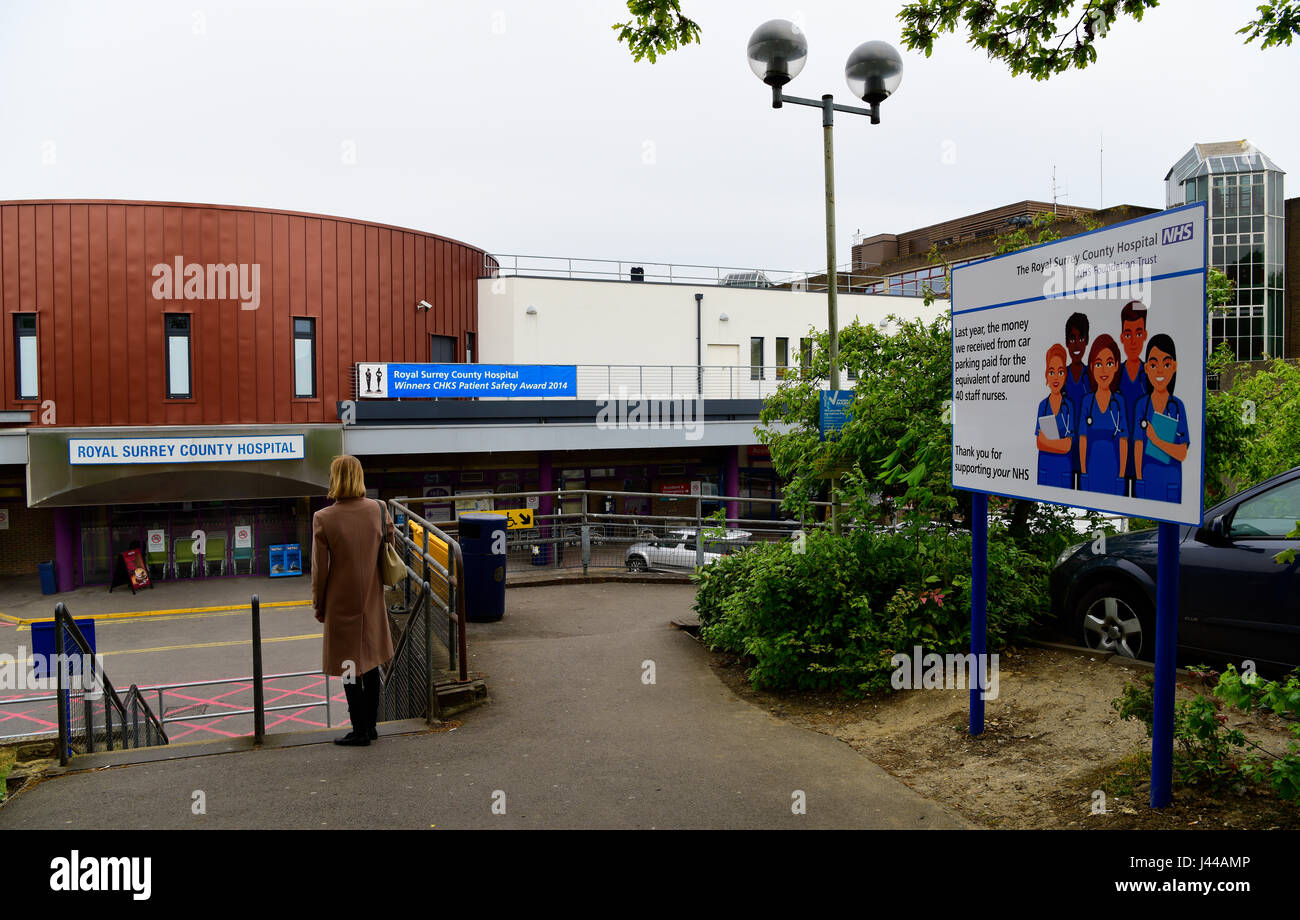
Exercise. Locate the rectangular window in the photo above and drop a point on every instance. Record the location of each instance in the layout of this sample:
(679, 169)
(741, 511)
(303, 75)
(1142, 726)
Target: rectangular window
(304, 357)
(756, 359)
(805, 354)
(782, 356)
(178, 355)
(442, 349)
(27, 372)
(469, 347)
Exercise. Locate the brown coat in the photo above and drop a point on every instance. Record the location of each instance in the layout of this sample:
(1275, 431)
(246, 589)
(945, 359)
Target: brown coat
(347, 588)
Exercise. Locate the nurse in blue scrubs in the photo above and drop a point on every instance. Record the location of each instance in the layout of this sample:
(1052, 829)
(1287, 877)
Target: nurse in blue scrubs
(1161, 436)
(1132, 379)
(1055, 426)
(1077, 385)
(1103, 424)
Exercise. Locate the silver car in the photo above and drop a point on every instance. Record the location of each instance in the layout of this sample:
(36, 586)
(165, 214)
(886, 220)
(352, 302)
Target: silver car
(675, 551)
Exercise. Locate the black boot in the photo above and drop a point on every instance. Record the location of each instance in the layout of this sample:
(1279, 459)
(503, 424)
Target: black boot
(357, 712)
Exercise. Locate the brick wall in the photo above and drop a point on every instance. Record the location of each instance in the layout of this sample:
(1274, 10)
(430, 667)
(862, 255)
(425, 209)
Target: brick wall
(29, 539)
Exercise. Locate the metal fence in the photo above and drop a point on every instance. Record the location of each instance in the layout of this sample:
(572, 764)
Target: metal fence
(847, 280)
(91, 714)
(659, 383)
(571, 536)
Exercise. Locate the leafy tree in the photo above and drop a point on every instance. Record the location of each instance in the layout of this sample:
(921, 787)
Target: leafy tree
(1046, 37)
(895, 451)
(656, 27)
(1038, 37)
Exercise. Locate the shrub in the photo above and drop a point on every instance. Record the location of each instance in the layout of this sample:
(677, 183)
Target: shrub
(834, 615)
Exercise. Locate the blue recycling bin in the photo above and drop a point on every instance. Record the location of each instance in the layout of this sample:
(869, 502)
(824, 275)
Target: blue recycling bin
(284, 560)
(49, 584)
(485, 570)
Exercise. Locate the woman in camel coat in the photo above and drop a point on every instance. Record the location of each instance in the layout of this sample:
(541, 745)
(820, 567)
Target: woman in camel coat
(347, 591)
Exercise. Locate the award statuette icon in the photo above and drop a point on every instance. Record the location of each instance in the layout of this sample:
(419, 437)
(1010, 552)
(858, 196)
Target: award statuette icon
(368, 389)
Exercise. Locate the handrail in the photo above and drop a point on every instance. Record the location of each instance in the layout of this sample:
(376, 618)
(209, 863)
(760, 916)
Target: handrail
(454, 575)
(129, 711)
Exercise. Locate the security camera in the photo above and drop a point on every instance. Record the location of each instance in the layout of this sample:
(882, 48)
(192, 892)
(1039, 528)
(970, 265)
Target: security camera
(424, 305)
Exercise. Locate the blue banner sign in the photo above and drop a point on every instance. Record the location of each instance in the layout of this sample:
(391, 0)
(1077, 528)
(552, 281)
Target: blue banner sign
(414, 381)
(835, 412)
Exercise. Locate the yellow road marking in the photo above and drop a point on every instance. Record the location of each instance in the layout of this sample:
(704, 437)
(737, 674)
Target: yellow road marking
(177, 648)
(138, 614)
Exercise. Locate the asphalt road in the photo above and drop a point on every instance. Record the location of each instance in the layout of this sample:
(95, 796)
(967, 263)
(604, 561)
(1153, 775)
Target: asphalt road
(575, 737)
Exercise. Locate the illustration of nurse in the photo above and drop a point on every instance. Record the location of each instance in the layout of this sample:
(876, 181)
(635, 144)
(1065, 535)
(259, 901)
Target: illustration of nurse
(1076, 380)
(1161, 439)
(1103, 424)
(1132, 379)
(1055, 427)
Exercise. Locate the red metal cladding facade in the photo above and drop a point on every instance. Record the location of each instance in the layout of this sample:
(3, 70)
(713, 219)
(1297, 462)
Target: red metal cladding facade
(87, 270)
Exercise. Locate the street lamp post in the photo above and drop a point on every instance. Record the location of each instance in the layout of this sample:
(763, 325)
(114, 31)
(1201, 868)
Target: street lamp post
(777, 52)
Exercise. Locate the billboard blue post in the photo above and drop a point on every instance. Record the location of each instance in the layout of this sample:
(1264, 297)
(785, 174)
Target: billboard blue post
(1162, 733)
(979, 583)
(1052, 333)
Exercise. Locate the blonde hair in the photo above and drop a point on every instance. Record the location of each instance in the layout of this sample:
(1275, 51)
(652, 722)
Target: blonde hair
(347, 479)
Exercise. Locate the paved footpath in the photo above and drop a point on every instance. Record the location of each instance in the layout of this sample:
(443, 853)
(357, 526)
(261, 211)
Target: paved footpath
(574, 737)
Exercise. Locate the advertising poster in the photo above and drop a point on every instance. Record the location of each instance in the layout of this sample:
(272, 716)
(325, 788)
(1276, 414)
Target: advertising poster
(1079, 370)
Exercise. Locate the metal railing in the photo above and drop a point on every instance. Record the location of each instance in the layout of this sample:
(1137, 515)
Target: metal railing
(567, 534)
(434, 593)
(564, 267)
(121, 723)
(651, 381)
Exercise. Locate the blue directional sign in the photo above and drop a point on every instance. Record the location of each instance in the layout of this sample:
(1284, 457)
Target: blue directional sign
(835, 411)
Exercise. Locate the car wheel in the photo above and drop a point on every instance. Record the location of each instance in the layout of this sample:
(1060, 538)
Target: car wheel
(1117, 618)
(636, 564)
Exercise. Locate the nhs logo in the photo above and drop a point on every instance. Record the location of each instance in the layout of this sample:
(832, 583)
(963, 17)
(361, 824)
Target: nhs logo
(1179, 234)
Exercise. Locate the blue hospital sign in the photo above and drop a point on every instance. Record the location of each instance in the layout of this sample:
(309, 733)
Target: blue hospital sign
(416, 381)
(1079, 370)
(87, 451)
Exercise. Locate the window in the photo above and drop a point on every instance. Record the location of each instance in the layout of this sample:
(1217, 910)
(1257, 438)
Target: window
(1272, 514)
(805, 354)
(756, 359)
(782, 356)
(469, 347)
(442, 349)
(304, 357)
(27, 370)
(178, 355)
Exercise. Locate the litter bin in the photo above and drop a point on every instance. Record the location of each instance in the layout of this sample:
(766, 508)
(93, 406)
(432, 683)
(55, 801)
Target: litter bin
(44, 649)
(48, 583)
(485, 571)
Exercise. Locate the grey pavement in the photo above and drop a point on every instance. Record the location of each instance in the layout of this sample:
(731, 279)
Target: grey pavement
(573, 738)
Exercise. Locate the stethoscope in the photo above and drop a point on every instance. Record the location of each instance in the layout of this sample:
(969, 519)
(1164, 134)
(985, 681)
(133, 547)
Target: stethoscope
(1111, 412)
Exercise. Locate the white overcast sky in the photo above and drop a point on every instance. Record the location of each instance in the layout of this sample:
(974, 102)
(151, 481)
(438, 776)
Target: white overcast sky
(525, 127)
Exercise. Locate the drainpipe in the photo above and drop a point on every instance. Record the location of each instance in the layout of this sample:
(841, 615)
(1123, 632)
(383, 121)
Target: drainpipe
(699, 347)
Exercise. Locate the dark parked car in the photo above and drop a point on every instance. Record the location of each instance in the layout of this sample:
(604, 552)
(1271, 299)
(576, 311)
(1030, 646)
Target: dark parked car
(1236, 602)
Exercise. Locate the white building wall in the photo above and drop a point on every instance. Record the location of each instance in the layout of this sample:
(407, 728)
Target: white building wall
(622, 322)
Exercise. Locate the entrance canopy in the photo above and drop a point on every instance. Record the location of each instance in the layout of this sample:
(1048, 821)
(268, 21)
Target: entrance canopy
(107, 466)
